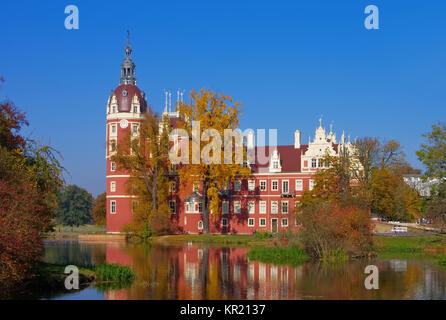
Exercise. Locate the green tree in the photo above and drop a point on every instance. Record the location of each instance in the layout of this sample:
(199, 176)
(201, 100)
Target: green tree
(433, 156)
(145, 156)
(74, 206)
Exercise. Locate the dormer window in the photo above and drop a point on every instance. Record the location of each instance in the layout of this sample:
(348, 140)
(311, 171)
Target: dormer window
(313, 163)
(135, 109)
(275, 162)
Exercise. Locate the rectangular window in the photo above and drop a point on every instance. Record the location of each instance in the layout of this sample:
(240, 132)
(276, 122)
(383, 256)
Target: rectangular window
(237, 185)
(274, 185)
(200, 225)
(262, 222)
(284, 206)
(173, 206)
(275, 165)
(173, 186)
(262, 185)
(135, 109)
(236, 206)
(113, 166)
(113, 129)
(262, 206)
(251, 185)
(224, 222)
(113, 206)
(284, 222)
(225, 207)
(135, 129)
(251, 222)
(274, 207)
(311, 184)
(313, 163)
(320, 163)
(200, 207)
(285, 186)
(113, 186)
(251, 207)
(299, 185)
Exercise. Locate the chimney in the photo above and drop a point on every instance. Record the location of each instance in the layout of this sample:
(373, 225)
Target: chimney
(250, 140)
(297, 139)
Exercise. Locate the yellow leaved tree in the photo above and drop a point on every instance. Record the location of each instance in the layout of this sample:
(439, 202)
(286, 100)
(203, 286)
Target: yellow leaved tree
(213, 118)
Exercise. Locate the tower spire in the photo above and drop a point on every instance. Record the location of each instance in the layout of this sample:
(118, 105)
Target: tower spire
(127, 65)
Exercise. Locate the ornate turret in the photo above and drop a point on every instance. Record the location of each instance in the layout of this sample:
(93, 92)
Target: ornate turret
(127, 65)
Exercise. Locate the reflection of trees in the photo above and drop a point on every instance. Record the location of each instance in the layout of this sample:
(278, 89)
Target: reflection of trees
(74, 252)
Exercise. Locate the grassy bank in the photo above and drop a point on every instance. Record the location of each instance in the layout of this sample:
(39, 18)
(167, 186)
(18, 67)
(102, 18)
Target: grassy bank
(293, 256)
(48, 279)
(427, 245)
(228, 239)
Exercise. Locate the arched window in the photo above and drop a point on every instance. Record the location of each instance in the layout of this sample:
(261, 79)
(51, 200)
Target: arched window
(200, 225)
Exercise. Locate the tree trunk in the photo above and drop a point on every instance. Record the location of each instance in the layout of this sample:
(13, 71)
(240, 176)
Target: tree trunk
(205, 207)
(154, 191)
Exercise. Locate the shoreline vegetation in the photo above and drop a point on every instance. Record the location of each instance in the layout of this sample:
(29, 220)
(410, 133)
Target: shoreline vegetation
(49, 279)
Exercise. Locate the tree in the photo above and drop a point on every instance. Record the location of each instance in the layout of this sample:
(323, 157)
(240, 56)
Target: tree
(392, 198)
(100, 209)
(30, 177)
(74, 206)
(214, 113)
(433, 156)
(145, 156)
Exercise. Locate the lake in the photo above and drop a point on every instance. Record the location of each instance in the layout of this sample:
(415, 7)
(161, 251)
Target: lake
(192, 271)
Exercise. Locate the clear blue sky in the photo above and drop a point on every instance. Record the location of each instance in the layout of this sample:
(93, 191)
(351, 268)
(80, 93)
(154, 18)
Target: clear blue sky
(288, 63)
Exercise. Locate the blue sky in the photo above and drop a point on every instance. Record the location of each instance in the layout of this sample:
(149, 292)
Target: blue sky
(287, 62)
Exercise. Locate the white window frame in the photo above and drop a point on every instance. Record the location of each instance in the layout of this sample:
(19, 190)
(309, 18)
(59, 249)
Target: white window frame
(200, 225)
(237, 185)
(277, 185)
(113, 205)
(225, 207)
(113, 166)
(276, 203)
(287, 206)
(251, 185)
(299, 184)
(237, 204)
(311, 185)
(282, 220)
(288, 186)
(314, 163)
(223, 220)
(262, 207)
(262, 224)
(113, 186)
(265, 185)
(251, 207)
(251, 222)
(135, 132)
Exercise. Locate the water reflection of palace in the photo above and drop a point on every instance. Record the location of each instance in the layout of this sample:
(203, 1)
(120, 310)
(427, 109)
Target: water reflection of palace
(205, 273)
(194, 272)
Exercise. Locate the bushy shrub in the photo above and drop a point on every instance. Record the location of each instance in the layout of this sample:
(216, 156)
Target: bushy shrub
(328, 227)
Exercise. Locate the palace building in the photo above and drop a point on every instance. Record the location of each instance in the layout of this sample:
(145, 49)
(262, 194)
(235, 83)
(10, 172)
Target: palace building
(263, 202)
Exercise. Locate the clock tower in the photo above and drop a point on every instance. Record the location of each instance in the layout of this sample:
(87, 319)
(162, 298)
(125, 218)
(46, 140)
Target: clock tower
(126, 106)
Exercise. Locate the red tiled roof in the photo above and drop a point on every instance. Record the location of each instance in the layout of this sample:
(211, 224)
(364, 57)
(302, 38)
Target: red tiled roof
(290, 158)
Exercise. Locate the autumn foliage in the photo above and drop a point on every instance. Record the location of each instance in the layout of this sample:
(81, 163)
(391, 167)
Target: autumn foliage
(30, 177)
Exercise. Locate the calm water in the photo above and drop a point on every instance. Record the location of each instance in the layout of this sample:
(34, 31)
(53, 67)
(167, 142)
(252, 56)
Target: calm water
(208, 272)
